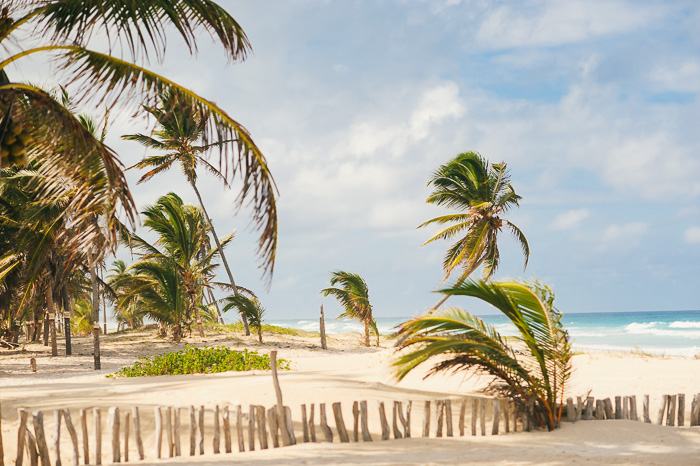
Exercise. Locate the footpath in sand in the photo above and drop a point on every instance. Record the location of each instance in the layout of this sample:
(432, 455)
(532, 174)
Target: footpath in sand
(345, 373)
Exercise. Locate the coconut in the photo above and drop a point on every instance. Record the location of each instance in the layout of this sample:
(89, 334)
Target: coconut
(15, 127)
(9, 138)
(17, 149)
(24, 137)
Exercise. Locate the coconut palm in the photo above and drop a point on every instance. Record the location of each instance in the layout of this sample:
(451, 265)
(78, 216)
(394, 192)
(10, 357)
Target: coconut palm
(58, 32)
(481, 193)
(353, 296)
(249, 306)
(531, 368)
(180, 132)
(181, 231)
(129, 308)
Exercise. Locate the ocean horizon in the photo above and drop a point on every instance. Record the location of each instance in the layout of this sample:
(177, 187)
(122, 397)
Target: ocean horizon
(671, 333)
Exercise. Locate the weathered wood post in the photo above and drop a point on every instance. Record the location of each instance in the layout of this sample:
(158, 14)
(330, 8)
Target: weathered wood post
(695, 410)
(600, 410)
(284, 429)
(407, 430)
(159, 430)
(290, 426)
(312, 427)
(340, 424)
(73, 437)
(426, 419)
(239, 428)
(251, 429)
(21, 435)
(57, 435)
(274, 426)
(127, 418)
(395, 421)
(176, 430)
(570, 411)
(645, 409)
(482, 415)
(97, 417)
(671, 414)
(324, 345)
(227, 429)
(386, 432)
(216, 442)
(662, 410)
(681, 409)
(32, 449)
(402, 419)
(448, 417)
(262, 426)
(323, 423)
(609, 414)
(626, 407)
(439, 415)
(169, 431)
(462, 415)
(137, 431)
(42, 446)
(618, 407)
(366, 437)
(633, 408)
(355, 421)
(200, 426)
(304, 423)
(588, 411)
(193, 431)
(84, 431)
(475, 411)
(113, 417)
(496, 416)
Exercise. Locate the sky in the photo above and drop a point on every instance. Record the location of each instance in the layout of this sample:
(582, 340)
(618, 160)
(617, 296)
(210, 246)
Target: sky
(593, 106)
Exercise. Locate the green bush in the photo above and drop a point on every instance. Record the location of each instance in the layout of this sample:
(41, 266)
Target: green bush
(193, 360)
(268, 329)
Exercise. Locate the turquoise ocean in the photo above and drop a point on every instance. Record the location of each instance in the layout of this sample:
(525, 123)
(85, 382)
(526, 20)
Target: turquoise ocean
(673, 333)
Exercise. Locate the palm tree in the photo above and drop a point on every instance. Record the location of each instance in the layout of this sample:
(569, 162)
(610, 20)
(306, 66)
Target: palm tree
(481, 193)
(353, 296)
(181, 129)
(248, 306)
(531, 368)
(129, 308)
(60, 31)
(181, 231)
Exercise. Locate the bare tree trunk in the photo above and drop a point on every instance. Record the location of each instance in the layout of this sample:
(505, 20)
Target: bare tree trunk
(221, 252)
(216, 305)
(95, 314)
(52, 318)
(65, 298)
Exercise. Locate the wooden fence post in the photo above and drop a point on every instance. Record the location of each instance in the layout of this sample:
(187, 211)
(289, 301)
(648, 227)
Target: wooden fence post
(339, 424)
(662, 410)
(262, 429)
(216, 442)
(588, 411)
(355, 421)
(570, 411)
(200, 427)
(290, 425)
(251, 429)
(227, 429)
(312, 426)
(32, 450)
(695, 410)
(407, 429)
(496, 416)
(304, 424)
(323, 423)
(671, 413)
(324, 345)
(274, 426)
(159, 430)
(127, 418)
(176, 430)
(114, 422)
(97, 417)
(137, 431)
(600, 410)
(38, 418)
(395, 421)
(57, 434)
(645, 409)
(284, 426)
(169, 430)
(21, 435)
(366, 437)
(609, 414)
(462, 415)
(633, 408)
(448, 417)
(426, 419)
(382, 419)
(439, 415)
(239, 429)
(681, 409)
(475, 414)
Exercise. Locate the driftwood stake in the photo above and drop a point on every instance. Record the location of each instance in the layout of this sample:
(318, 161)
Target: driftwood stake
(506, 416)
(395, 421)
(626, 407)
(227, 429)
(695, 410)
(570, 410)
(671, 413)
(600, 410)
(284, 429)
(38, 418)
(607, 404)
(57, 435)
(579, 408)
(97, 416)
(216, 442)
(304, 424)
(645, 408)
(274, 426)
(340, 424)
(475, 411)
(633, 408)
(681, 409)
(73, 437)
(200, 427)
(323, 423)
(662, 410)
(21, 435)
(251, 429)
(137, 432)
(312, 427)
(588, 411)
(127, 418)
(31, 449)
(355, 421)
(426, 419)
(496, 416)
(86, 440)
(448, 417)
(386, 433)
(114, 422)
(193, 431)
(176, 430)
(462, 415)
(262, 426)
(439, 415)
(366, 437)
(290, 426)
(169, 430)
(239, 428)
(407, 429)
(324, 345)
(482, 415)
(402, 419)
(159, 430)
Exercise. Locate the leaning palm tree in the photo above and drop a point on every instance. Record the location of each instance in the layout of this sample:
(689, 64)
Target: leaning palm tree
(531, 368)
(353, 296)
(58, 32)
(181, 128)
(248, 306)
(481, 193)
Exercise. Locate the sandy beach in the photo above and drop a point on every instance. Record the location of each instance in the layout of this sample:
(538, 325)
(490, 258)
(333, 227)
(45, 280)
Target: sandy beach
(345, 373)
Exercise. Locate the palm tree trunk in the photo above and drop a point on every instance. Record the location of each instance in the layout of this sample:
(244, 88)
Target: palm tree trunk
(221, 252)
(366, 333)
(197, 317)
(460, 280)
(52, 318)
(65, 298)
(95, 315)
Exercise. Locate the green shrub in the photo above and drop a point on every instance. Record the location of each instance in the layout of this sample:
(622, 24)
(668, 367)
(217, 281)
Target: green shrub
(268, 329)
(193, 360)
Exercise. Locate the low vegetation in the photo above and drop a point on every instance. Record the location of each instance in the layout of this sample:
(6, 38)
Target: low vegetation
(266, 329)
(193, 360)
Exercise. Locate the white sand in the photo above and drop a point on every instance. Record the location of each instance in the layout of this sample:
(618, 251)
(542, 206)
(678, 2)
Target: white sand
(347, 373)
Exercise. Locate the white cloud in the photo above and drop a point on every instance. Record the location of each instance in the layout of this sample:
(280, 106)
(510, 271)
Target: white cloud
(683, 77)
(628, 233)
(556, 22)
(570, 219)
(692, 235)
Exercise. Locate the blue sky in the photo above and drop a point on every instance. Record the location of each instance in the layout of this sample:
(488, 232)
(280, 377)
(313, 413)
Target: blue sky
(593, 105)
